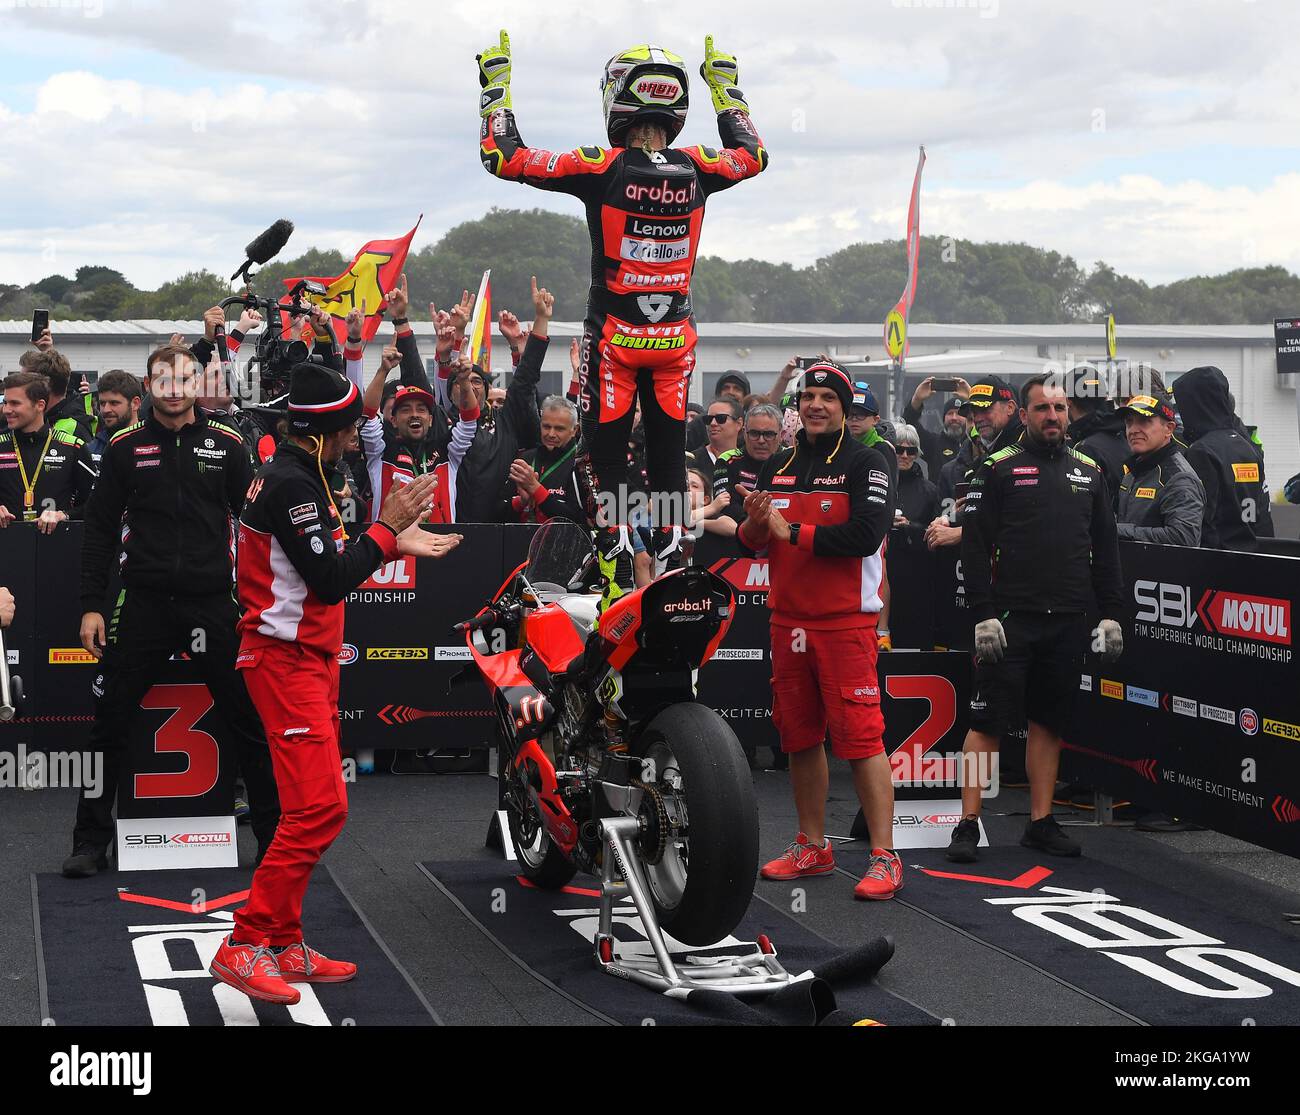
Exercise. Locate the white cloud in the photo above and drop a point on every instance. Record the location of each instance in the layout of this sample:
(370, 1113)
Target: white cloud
(372, 104)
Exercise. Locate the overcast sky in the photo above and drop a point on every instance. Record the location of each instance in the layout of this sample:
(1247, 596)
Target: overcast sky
(156, 138)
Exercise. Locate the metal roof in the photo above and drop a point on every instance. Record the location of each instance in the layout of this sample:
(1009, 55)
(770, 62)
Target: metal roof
(920, 332)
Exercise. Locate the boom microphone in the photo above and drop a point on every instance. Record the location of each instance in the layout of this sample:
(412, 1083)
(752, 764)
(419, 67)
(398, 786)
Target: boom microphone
(265, 247)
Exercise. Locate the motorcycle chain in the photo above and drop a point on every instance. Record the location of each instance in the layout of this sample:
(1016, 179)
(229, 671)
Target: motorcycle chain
(655, 833)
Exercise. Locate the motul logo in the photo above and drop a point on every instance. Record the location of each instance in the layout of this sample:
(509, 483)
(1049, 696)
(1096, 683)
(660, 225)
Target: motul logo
(201, 838)
(1251, 617)
(396, 574)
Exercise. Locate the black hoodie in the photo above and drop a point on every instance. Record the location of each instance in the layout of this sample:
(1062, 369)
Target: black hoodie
(1230, 466)
(1100, 435)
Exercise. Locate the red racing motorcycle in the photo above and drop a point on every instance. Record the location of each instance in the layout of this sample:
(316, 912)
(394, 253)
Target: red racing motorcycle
(605, 751)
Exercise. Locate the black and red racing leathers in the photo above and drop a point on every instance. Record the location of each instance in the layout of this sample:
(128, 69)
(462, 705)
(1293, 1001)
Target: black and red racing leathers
(645, 210)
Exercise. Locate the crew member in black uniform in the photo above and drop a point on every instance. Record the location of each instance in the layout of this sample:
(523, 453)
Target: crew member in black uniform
(169, 493)
(1040, 553)
(45, 473)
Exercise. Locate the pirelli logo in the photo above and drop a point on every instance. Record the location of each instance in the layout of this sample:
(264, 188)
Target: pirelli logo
(1245, 473)
(1113, 689)
(1283, 729)
(397, 654)
(1145, 493)
(71, 656)
(623, 340)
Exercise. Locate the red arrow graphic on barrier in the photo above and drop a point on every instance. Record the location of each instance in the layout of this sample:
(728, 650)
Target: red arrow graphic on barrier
(1023, 881)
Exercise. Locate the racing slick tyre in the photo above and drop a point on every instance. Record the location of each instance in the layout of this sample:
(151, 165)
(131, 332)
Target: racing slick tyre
(699, 839)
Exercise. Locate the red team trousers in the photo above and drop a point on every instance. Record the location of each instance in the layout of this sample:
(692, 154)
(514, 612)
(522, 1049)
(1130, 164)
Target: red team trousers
(296, 693)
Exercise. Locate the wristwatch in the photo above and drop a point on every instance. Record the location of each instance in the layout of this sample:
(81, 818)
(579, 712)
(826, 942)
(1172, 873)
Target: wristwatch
(794, 534)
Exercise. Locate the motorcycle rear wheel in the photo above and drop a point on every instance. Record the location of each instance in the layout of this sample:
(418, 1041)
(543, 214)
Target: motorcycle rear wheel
(703, 883)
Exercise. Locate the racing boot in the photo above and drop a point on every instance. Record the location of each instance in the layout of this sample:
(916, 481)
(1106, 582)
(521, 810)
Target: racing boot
(673, 546)
(614, 560)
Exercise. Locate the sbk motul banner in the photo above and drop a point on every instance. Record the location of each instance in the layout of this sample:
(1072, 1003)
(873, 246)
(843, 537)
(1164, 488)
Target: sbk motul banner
(1200, 717)
(176, 843)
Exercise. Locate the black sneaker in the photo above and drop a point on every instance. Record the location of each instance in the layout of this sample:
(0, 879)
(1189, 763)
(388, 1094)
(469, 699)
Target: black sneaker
(1045, 835)
(86, 860)
(964, 847)
(1162, 822)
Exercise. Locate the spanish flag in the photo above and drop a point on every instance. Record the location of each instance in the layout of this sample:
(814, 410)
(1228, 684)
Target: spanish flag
(374, 271)
(480, 334)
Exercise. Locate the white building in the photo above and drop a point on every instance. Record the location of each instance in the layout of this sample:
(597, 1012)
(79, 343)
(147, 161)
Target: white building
(1245, 353)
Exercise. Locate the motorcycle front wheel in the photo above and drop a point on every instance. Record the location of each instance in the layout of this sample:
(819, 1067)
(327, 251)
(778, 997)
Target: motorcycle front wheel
(699, 839)
(541, 861)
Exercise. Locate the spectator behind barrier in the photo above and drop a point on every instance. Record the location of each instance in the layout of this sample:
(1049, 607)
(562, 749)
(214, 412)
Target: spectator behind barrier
(1096, 430)
(1161, 499)
(911, 624)
(544, 481)
(69, 415)
(760, 438)
(937, 449)
(120, 394)
(708, 516)
(46, 475)
(1230, 465)
(723, 425)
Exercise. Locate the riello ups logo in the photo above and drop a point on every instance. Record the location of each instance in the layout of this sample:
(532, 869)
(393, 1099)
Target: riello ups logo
(1218, 620)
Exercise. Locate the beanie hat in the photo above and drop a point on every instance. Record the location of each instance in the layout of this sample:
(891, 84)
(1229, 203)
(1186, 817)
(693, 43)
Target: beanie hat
(826, 374)
(320, 400)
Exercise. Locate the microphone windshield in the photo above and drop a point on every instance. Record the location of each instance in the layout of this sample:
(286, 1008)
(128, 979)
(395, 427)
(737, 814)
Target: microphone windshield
(268, 244)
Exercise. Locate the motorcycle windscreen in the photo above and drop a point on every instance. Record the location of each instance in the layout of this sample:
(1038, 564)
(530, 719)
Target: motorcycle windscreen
(680, 615)
(558, 551)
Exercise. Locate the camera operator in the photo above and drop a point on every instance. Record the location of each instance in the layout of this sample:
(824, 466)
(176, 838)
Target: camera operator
(1040, 553)
(45, 474)
(176, 481)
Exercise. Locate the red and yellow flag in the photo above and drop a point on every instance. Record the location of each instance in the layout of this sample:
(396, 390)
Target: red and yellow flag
(896, 342)
(374, 271)
(479, 340)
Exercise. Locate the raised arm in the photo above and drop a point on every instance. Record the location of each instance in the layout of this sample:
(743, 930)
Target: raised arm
(743, 154)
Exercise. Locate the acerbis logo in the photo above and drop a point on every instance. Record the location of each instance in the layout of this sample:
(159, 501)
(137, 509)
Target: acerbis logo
(1282, 729)
(1248, 721)
(348, 654)
(397, 654)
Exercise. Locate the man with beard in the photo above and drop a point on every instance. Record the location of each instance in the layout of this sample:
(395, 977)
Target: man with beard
(1040, 554)
(761, 438)
(119, 406)
(938, 449)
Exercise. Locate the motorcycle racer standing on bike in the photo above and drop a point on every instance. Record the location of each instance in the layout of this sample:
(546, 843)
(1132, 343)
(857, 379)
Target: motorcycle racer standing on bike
(645, 209)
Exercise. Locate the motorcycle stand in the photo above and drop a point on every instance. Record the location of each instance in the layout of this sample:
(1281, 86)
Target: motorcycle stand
(747, 974)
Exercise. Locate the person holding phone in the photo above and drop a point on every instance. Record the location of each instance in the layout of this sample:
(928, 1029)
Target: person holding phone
(937, 449)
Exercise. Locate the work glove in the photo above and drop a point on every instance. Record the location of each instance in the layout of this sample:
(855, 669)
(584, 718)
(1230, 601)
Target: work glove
(990, 640)
(494, 77)
(1110, 636)
(721, 72)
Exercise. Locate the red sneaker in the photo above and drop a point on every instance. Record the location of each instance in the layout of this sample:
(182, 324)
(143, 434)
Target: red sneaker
(801, 859)
(301, 963)
(884, 877)
(253, 970)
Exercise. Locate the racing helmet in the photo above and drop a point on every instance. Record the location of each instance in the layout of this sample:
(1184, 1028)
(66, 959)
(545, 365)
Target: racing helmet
(644, 83)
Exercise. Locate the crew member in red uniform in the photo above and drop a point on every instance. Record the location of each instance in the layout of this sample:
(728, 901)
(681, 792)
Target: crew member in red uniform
(295, 568)
(822, 509)
(645, 208)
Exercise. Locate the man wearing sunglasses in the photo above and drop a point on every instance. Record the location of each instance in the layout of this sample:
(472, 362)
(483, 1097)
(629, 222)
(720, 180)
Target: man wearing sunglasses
(722, 421)
(760, 438)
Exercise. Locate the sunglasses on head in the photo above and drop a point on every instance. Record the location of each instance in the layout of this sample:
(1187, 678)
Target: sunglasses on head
(718, 419)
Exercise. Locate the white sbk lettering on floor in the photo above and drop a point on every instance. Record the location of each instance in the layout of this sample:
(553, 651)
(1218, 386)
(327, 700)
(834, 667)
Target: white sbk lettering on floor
(167, 1006)
(1071, 913)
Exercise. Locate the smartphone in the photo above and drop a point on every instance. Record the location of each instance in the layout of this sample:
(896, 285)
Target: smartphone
(944, 384)
(40, 323)
(807, 361)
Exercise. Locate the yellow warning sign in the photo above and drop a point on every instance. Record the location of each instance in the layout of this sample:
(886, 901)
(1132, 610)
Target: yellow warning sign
(1110, 336)
(895, 334)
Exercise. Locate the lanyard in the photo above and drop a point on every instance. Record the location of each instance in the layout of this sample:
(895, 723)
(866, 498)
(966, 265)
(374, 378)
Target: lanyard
(29, 487)
(571, 451)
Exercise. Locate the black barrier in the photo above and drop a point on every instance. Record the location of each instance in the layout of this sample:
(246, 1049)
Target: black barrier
(1200, 717)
